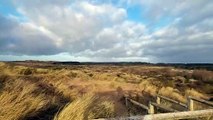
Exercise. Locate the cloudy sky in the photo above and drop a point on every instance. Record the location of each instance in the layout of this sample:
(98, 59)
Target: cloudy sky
(107, 30)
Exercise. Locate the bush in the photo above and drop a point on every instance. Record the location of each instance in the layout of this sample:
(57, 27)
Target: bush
(203, 75)
(167, 72)
(72, 75)
(27, 71)
(90, 74)
(185, 74)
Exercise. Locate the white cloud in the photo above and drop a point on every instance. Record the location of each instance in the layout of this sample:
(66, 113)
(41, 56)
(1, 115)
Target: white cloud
(101, 30)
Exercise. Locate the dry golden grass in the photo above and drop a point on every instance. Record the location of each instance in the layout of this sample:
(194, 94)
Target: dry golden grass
(18, 101)
(194, 93)
(203, 75)
(172, 93)
(76, 109)
(22, 98)
(86, 107)
(147, 86)
(28, 91)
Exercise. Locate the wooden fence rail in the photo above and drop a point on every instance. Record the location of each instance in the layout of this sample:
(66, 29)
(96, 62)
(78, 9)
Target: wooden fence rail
(151, 108)
(137, 103)
(159, 97)
(208, 114)
(191, 102)
(199, 114)
(153, 105)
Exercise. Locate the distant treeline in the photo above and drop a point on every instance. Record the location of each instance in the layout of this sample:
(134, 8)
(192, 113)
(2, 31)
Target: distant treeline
(102, 63)
(207, 66)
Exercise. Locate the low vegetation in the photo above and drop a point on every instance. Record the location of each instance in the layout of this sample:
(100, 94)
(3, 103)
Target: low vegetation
(36, 91)
(86, 107)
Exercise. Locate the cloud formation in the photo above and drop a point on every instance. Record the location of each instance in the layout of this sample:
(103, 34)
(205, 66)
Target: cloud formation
(24, 39)
(102, 30)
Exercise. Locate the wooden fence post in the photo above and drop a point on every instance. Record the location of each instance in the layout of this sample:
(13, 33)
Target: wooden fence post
(190, 104)
(151, 108)
(127, 105)
(158, 100)
(126, 101)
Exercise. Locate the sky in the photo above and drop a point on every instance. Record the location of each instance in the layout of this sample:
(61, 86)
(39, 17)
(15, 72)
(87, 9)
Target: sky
(107, 30)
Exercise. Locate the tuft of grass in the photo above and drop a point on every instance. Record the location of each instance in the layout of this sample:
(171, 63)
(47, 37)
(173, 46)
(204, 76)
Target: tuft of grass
(172, 93)
(18, 102)
(86, 107)
(104, 109)
(149, 86)
(3, 78)
(27, 71)
(76, 110)
(193, 92)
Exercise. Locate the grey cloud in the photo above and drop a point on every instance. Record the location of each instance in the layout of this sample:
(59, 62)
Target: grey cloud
(21, 39)
(190, 11)
(188, 38)
(187, 48)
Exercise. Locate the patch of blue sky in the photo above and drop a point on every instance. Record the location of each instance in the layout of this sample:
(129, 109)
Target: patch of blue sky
(57, 57)
(138, 14)
(135, 13)
(8, 10)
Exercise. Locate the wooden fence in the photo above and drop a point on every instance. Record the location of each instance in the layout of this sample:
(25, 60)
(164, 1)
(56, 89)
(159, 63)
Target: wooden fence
(191, 103)
(159, 98)
(152, 107)
(199, 114)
